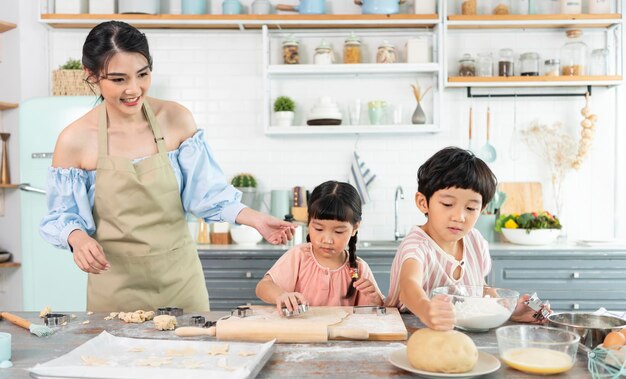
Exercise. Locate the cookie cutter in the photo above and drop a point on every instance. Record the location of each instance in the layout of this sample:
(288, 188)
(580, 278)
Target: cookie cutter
(170, 311)
(541, 308)
(241, 311)
(56, 319)
(302, 308)
(197, 321)
(367, 309)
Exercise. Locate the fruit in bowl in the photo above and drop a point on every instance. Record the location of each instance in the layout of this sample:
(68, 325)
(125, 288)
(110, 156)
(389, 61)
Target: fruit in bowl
(480, 308)
(245, 235)
(534, 228)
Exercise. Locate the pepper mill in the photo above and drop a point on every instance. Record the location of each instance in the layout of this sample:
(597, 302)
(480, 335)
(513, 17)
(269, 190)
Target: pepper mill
(5, 176)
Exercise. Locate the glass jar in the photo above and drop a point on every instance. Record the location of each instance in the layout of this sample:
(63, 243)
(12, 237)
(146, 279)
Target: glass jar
(505, 63)
(600, 6)
(290, 50)
(323, 54)
(386, 53)
(552, 67)
(352, 49)
(501, 7)
(600, 62)
(574, 54)
(468, 7)
(571, 6)
(545, 6)
(529, 64)
(467, 65)
(484, 65)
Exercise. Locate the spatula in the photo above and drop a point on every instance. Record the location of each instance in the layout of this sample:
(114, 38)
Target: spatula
(38, 330)
(488, 152)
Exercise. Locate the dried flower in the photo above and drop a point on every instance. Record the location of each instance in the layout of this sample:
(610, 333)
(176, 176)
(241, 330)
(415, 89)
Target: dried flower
(417, 92)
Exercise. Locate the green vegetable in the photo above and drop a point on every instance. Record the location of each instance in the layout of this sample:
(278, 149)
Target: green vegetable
(528, 221)
(244, 180)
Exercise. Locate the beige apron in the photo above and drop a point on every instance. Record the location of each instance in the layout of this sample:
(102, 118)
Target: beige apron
(141, 226)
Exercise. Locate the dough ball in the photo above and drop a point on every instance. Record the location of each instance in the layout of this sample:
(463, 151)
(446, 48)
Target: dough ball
(165, 322)
(436, 351)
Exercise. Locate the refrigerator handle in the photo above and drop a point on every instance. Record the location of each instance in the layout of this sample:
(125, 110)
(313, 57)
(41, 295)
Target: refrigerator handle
(28, 188)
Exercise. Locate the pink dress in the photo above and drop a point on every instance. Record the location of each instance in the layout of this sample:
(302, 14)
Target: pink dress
(298, 271)
(439, 265)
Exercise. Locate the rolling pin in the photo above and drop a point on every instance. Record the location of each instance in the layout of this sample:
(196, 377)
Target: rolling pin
(194, 331)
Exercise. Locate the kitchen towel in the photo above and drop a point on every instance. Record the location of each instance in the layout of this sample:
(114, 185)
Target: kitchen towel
(360, 177)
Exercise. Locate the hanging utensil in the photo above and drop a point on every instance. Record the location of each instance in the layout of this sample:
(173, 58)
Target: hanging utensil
(513, 145)
(470, 145)
(488, 152)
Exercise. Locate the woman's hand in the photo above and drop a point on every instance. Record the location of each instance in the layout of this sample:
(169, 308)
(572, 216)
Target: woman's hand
(274, 231)
(524, 313)
(290, 300)
(368, 290)
(438, 313)
(88, 253)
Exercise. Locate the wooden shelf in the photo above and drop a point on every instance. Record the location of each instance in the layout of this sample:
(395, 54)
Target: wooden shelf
(533, 21)
(533, 81)
(363, 68)
(4, 106)
(246, 21)
(10, 264)
(6, 26)
(10, 186)
(353, 129)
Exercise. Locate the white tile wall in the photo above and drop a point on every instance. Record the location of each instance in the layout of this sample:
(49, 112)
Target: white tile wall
(218, 76)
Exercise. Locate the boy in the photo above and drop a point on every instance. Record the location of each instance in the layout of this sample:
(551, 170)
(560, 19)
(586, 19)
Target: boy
(454, 186)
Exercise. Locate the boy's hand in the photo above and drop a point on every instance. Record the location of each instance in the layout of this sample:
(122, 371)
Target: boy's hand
(524, 313)
(439, 313)
(290, 300)
(368, 290)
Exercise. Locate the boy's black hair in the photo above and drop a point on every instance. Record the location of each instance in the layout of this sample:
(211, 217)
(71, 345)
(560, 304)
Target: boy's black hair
(339, 201)
(453, 167)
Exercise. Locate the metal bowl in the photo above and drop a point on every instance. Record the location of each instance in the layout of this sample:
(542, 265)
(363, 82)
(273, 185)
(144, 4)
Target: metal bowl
(591, 328)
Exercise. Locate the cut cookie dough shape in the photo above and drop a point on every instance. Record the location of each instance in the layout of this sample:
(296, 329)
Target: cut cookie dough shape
(246, 353)
(165, 322)
(219, 350)
(190, 364)
(153, 361)
(89, 360)
(180, 352)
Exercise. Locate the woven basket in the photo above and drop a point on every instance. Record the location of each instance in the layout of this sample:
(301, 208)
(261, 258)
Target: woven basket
(70, 83)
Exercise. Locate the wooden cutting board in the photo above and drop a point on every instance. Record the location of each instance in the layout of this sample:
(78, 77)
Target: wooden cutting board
(319, 324)
(521, 197)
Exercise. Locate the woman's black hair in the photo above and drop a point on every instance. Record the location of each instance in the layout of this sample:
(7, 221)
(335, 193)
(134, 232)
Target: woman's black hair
(338, 201)
(108, 38)
(453, 167)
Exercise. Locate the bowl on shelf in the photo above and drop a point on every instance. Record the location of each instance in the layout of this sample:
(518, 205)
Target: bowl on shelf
(531, 236)
(4, 256)
(324, 121)
(537, 349)
(245, 235)
(591, 328)
(479, 308)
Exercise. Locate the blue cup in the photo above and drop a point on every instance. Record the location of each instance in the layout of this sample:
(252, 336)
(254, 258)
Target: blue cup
(5, 347)
(231, 7)
(194, 6)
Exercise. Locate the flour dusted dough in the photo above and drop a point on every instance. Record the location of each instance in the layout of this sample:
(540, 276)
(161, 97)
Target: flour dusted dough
(436, 351)
(165, 322)
(136, 317)
(246, 353)
(153, 361)
(190, 363)
(219, 350)
(46, 311)
(93, 361)
(180, 352)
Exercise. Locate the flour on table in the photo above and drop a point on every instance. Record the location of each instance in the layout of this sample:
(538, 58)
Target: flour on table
(180, 352)
(219, 350)
(246, 353)
(85, 322)
(72, 316)
(136, 350)
(153, 361)
(46, 311)
(89, 360)
(190, 363)
(136, 317)
(111, 315)
(64, 323)
(221, 363)
(89, 313)
(165, 322)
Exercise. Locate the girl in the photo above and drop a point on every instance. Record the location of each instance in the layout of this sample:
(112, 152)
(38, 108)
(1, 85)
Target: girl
(322, 272)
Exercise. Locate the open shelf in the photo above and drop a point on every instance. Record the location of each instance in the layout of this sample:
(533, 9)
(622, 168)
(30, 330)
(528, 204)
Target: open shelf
(10, 264)
(244, 21)
(353, 129)
(9, 185)
(533, 81)
(363, 68)
(533, 21)
(6, 26)
(5, 105)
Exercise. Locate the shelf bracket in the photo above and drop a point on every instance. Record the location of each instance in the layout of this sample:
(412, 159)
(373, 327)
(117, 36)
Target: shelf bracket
(473, 95)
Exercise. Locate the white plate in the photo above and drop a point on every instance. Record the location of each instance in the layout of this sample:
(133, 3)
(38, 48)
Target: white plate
(486, 364)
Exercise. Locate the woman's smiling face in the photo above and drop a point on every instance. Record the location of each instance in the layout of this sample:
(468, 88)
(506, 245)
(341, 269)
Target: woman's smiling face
(125, 83)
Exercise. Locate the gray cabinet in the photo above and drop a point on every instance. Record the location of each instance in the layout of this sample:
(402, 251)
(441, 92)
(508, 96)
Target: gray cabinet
(572, 279)
(231, 275)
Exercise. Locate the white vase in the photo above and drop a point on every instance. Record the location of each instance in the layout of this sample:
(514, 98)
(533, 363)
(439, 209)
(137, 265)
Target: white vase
(283, 118)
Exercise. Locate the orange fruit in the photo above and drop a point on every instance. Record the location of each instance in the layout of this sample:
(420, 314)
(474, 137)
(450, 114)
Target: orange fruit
(614, 341)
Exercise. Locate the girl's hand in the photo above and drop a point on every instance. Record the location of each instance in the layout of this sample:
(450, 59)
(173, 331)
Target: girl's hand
(368, 290)
(524, 313)
(290, 300)
(88, 254)
(439, 313)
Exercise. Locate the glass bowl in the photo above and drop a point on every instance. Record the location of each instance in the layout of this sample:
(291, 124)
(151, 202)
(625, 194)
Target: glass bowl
(537, 349)
(480, 308)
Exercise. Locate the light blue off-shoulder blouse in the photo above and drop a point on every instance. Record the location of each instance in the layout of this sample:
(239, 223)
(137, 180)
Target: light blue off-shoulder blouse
(203, 189)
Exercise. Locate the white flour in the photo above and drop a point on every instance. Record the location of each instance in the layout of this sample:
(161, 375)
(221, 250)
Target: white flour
(480, 313)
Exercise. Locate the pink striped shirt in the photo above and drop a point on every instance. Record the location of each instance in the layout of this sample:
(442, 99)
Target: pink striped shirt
(439, 265)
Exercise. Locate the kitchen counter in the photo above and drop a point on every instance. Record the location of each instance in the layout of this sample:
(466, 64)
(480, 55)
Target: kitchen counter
(333, 359)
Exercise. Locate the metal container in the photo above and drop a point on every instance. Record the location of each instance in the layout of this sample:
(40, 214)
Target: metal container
(591, 328)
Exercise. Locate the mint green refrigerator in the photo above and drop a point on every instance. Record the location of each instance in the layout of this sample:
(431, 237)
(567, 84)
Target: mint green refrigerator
(50, 275)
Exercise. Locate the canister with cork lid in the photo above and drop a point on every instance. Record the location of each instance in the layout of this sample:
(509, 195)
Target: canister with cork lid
(574, 54)
(323, 54)
(386, 53)
(290, 50)
(352, 49)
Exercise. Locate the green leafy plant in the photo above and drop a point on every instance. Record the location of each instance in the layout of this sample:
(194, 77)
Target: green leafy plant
(244, 180)
(284, 104)
(72, 64)
(528, 221)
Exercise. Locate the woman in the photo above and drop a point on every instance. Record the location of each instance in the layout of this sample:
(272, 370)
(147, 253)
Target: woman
(122, 178)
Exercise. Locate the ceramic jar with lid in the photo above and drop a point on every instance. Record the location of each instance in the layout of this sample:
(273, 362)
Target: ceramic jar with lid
(529, 64)
(574, 54)
(467, 65)
(290, 50)
(352, 49)
(386, 53)
(323, 54)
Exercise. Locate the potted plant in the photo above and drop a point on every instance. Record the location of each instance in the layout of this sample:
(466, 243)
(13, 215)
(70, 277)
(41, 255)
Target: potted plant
(246, 183)
(284, 111)
(535, 228)
(69, 80)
